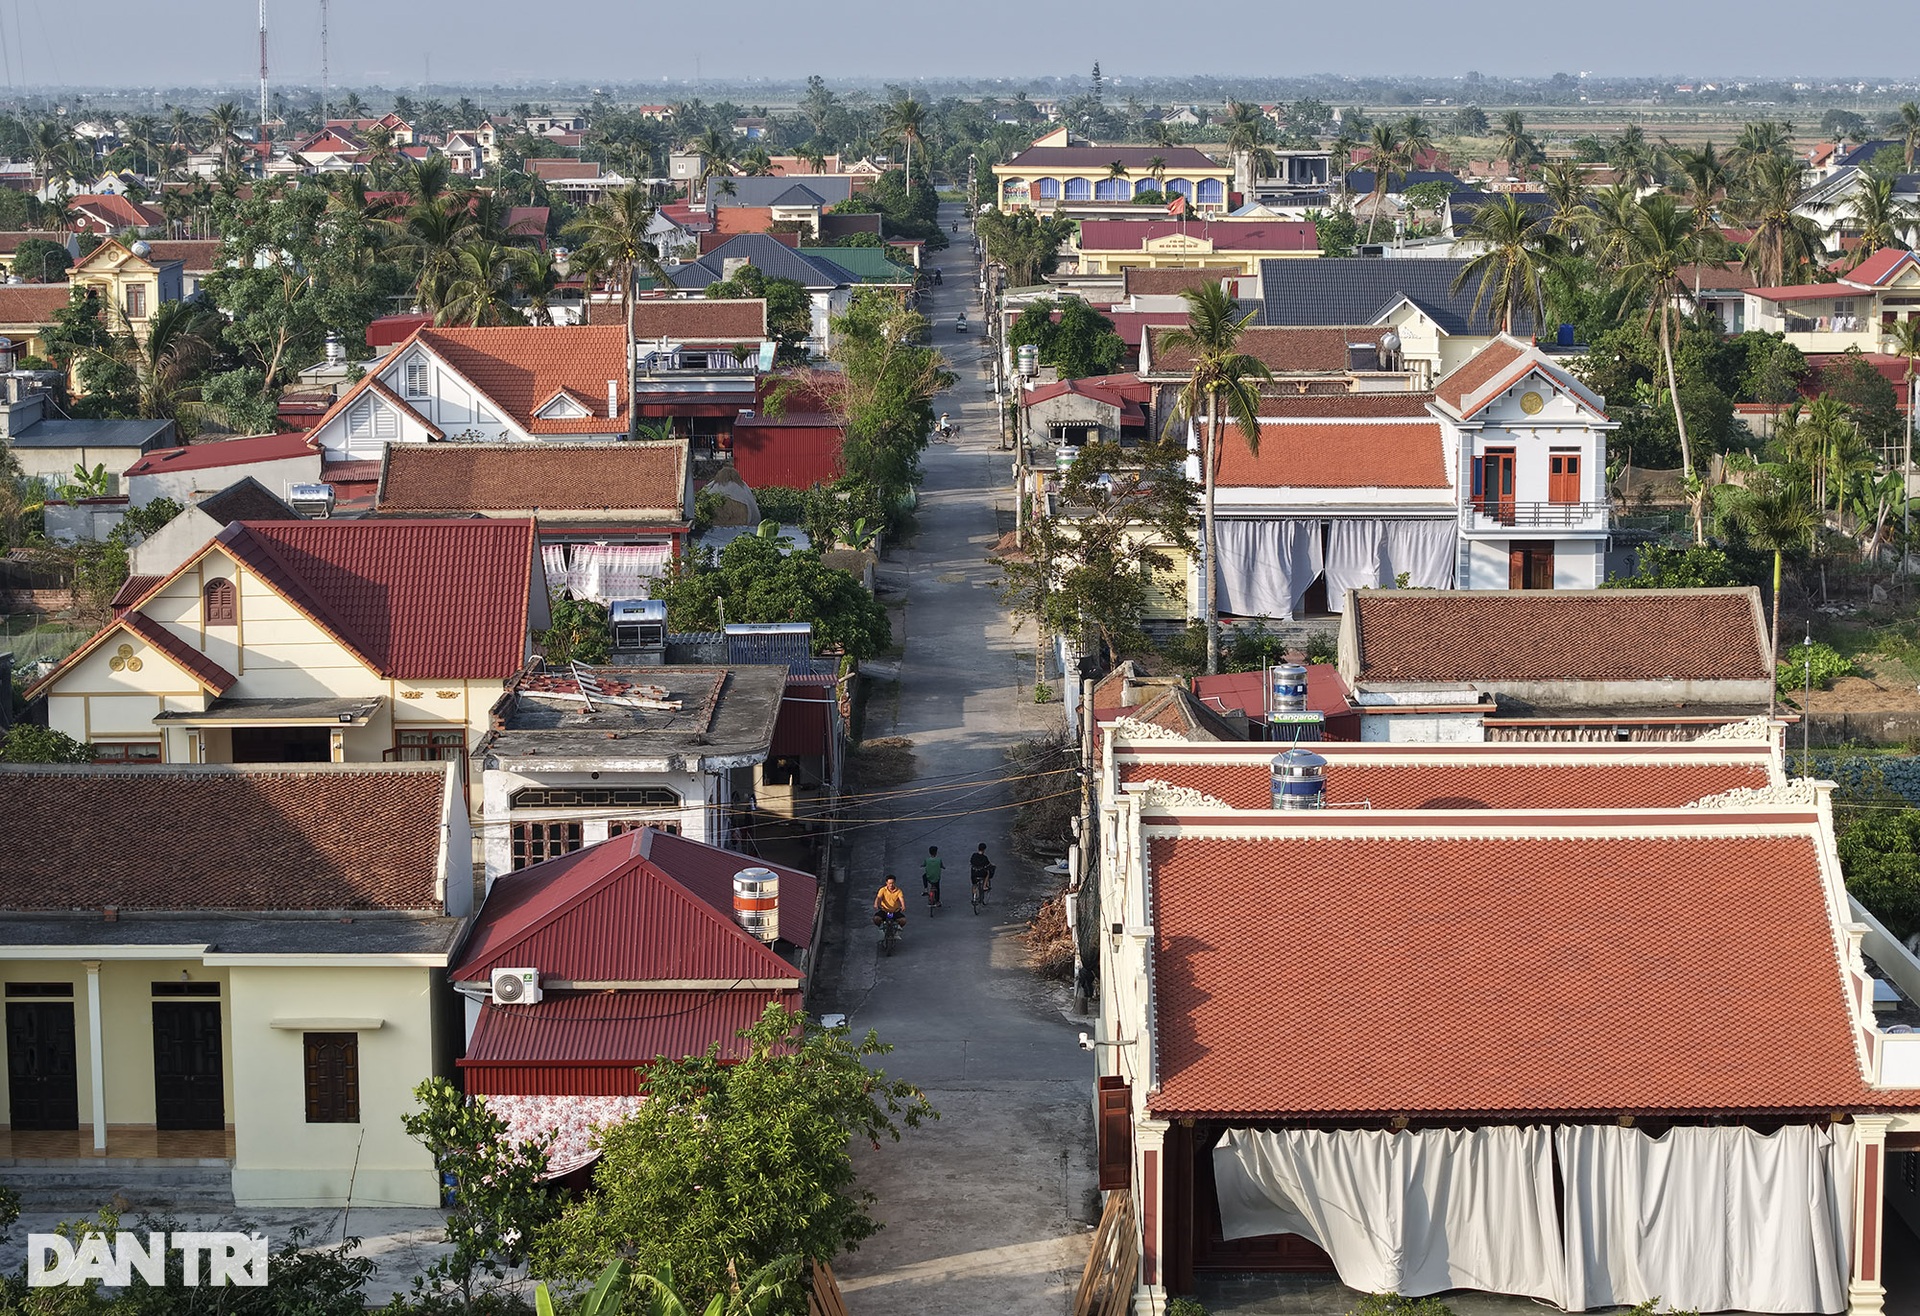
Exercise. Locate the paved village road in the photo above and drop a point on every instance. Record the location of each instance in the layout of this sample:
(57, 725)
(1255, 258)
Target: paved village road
(985, 1210)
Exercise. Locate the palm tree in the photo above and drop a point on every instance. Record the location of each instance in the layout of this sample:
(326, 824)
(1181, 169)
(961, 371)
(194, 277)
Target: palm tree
(480, 290)
(1632, 158)
(223, 121)
(1416, 140)
(1702, 181)
(425, 180)
(716, 160)
(1784, 243)
(1161, 133)
(756, 162)
(1157, 170)
(1516, 147)
(1515, 251)
(1566, 193)
(1659, 244)
(814, 156)
(1904, 340)
(1759, 143)
(1774, 517)
(1388, 154)
(1880, 214)
(47, 145)
(1250, 136)
(1611, 214)
(180, 342)
(1222, 377)
(614, 230)
(431, 234)
(1907, 127)
(904, 120)
(539, 278)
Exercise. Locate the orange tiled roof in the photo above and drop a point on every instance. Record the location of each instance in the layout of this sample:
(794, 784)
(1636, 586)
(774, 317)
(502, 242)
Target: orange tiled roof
(1561, 635)
(691, 319)
(519, 368)
(32, 303)
(1486, 365)
(1455, 971)
(1337, 455)
(647, 478)
(1283, 349)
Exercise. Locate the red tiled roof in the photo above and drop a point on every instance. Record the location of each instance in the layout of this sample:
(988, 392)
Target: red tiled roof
(1285, 404)
(32, 303)
(1225, 234)
(615, 1029)
(1561, 635)
(530, 478)
(1526, 783)
(1466, 973)
(1283, 349)
(1805, 292)
(132, 592)
(520, 367)
(415, 600)
(607, 914)
(1879, 268)
(721, 320)
(1485, 366)
(550, 168)
(225, 452)
(1732, 277)
(527, 221)
(1337, 455)
(1166, 283)
(201, 668)
(115, 212)
(197, 256)
(181, 839)
(1124, 392)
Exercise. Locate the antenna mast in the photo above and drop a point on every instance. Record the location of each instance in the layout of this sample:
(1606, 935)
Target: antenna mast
(263, 77)
(323, 63)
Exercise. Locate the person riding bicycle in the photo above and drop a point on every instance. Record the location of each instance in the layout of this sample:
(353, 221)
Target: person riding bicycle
(930, 876)
(980, 870)
(889, 903)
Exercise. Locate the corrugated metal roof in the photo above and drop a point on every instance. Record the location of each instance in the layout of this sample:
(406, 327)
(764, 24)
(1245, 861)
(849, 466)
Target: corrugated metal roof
(617, 1028)
(707, 871)
(609, 914)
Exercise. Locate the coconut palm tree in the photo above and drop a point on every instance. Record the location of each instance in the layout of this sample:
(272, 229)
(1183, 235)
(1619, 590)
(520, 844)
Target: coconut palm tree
(1388, 153)
(1516, 249)
(904, 120)
(1632, 157)
(1611, 214)
(1881, 216)
(223, 121)
(47, 146)
(1566, 193)
(716, 160)
(1517, 147)
(430, 235)
(1903, 340)
(539, 278)
(1759, 143)
(756, 162)
(614, 231)
(1784, 243)
(481, 287)
(1906, 126)
(1221, 379)
(1157, 171)
(814, 156)
(1250, 138)
(180, 342)
(1658, 245)
(1774, 517)
(1416, 140)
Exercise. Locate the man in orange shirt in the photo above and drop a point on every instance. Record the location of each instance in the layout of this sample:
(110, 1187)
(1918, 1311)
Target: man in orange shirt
(889, 902)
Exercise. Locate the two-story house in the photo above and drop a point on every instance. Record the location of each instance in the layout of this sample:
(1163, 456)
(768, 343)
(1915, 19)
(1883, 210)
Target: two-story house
(132, 279)
(1858, 310)
(1057, 171)
(309, 642)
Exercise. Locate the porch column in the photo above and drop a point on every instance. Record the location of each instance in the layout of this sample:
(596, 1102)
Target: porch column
(96, 1056)
(1149, 1143)
(1866, 1295)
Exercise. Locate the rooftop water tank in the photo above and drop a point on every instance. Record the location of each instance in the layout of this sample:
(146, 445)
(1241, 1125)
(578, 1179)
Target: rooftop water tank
(1299, 780)
(756, 902)
(1287, 688)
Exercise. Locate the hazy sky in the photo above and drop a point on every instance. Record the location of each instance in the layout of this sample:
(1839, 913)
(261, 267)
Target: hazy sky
(198, 42)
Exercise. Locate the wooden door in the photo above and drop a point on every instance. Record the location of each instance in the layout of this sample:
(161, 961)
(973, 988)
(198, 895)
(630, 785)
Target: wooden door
(188, 1077)
(1530, 564)
(43, 1076)
(1493, 484)
(1563, 477)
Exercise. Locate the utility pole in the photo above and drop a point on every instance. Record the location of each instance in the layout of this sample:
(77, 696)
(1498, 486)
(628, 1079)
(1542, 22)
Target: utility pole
(323, 63)
(263, 82)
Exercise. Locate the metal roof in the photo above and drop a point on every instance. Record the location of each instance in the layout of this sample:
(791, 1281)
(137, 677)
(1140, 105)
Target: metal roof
(1358, 289)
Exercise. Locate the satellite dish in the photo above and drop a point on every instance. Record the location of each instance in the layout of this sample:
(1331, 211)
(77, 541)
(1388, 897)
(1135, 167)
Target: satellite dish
(141, 249)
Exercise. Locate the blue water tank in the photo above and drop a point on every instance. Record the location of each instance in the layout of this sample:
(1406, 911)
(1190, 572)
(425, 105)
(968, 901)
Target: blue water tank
(1565, 338)
(1299, 780)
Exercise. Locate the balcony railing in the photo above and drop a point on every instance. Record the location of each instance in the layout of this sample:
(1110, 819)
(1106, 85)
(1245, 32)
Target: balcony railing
(1509, 514)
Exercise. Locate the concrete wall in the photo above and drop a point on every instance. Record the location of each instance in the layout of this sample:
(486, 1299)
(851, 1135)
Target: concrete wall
(182, 486)
(695, 818)
(88, 521)
(1896, 728)
(279, 1158)
(1423, 728)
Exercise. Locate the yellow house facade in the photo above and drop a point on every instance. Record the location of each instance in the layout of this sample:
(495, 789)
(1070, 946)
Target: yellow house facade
(237, 968)
(1056, 171)
(130, 282)
(1233, 247)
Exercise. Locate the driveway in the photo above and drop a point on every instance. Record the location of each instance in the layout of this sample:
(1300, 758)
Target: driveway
(985, 1210)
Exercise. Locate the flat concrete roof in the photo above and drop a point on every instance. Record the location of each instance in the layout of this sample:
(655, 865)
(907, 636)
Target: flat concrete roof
(726, 719)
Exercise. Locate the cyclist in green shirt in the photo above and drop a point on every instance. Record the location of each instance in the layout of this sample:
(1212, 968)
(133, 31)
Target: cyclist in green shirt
(930, 877)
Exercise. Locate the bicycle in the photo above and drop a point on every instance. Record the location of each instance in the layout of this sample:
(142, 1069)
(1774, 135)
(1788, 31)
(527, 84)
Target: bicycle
(979, 894)
(889, 935)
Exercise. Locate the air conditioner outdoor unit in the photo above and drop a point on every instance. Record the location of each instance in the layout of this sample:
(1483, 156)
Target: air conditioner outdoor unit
(515, 986)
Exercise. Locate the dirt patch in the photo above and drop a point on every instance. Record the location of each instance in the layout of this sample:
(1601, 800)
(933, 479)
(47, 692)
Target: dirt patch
(1874, 691)
(881, 762)
(1049, 944)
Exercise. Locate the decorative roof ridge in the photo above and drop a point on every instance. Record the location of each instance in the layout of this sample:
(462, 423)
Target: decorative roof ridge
(1795, 792)
(1134, 729)
(1156, 791)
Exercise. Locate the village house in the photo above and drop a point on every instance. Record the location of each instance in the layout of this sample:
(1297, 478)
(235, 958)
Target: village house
(641, 946)
(611, 517)
(132, 279)
(277, 461)
(229, 981)
(1230, 246)
(1248, 1117)
(1858, 310)
(309, 642)
(1561, 665)
(1057, 171)
(108, 215)
(829, 285)
(48, 445)
(699, 362)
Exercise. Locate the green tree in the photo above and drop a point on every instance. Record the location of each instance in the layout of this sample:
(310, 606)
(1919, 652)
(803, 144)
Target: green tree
(613, 233)
(1028, 245)
(1517, 146)
(238, 402)
(1662, 566)
(1515, 251)
(734, 1165)
(498, 1201)
(1776, 518)
(1080, 342)
(789, 307)
(1660, 243)
(579, 632)
(1335, 230)
(1220, 376)
(884, 393)
(36, 260)
(1785, 243)
(485, 279)
(1470, 121)
(1388, 154)
(1092, 569)
(904, 120)
(622, 1291)
(762, 579)
(1880, 855)
(1906, 126)
(27, 743)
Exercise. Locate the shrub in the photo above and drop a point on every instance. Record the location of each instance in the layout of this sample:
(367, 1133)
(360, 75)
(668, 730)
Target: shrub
(1392, 1304)
(1828, 666)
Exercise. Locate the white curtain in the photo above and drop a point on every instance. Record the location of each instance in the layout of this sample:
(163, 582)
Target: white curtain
(1266, 566)
(1353, 560)
(1423, 550)
(1410, 1212)
(1710, 1219)
(554, 558)
(606, 572)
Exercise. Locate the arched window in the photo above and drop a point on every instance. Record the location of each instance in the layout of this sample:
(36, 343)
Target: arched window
(1144, 185)
(1079, 189)
(1110, 189)
(1047, 189)
(220, 604)
(1015, 190)
(1212, 192)
(1180, 185)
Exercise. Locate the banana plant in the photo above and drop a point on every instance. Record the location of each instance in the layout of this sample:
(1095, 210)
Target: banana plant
(656, 1295)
